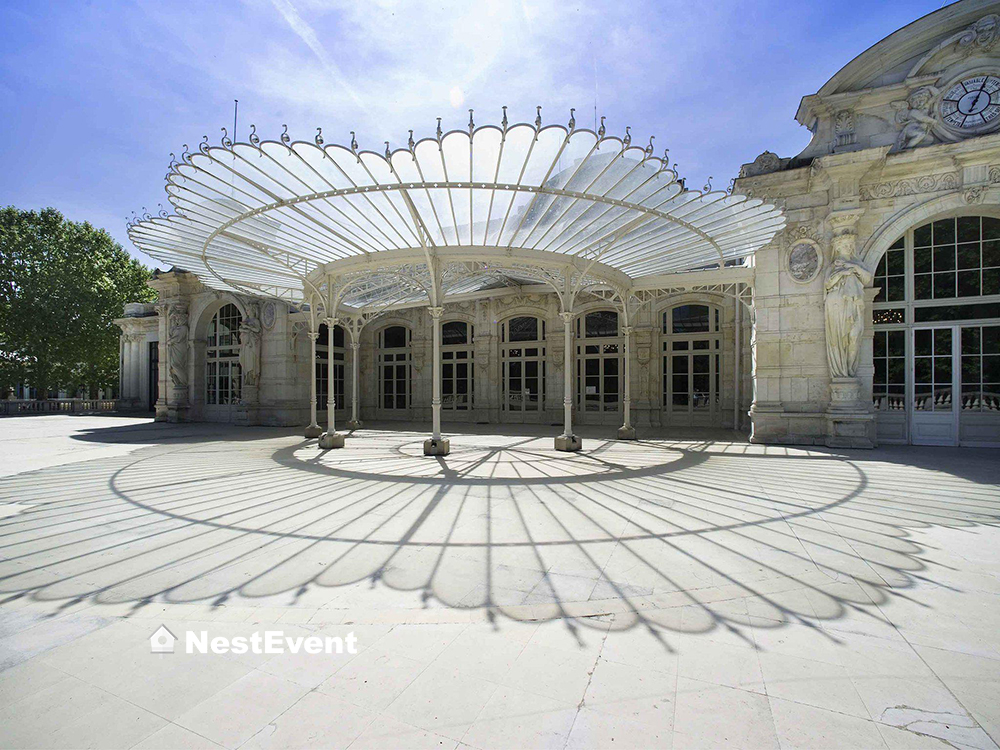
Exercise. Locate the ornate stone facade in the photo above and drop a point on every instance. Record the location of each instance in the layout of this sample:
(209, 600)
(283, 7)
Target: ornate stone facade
(888, 155)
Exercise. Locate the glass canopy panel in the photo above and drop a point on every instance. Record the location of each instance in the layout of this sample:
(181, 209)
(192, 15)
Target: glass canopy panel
(270, 213)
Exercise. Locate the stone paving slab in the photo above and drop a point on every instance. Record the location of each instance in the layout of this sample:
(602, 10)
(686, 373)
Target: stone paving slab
(679, 591)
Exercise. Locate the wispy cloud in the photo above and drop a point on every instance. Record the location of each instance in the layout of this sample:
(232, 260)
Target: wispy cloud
(306, 33)
(128, 81)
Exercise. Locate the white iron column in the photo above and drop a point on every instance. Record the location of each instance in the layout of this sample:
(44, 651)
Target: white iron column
(331, 393)
(737, 364)
(313, 430)
(330, 438)
(355, 423)
(627, 431)
(436, 446)
(568, 441)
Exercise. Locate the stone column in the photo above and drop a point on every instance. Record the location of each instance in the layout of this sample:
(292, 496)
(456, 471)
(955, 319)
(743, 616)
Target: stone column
(163, 376)
(627, 431)
(313, 429)
(436, 446)
(121, 367)
(137, 339)
(330, 438)
(568, 441)
(355, 423)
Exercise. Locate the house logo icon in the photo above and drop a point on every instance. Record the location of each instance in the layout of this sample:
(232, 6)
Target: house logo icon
(162, 641)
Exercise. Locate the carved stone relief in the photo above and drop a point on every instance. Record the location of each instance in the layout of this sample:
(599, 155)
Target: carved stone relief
(804, 261)
(177, 345)
(912, 186)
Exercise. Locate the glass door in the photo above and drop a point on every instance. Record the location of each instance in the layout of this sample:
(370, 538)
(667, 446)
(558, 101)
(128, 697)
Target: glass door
(979, 402)
(522, 366)
(934, 418)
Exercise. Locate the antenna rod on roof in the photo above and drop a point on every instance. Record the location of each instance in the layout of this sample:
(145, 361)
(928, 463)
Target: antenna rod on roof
(236, 112)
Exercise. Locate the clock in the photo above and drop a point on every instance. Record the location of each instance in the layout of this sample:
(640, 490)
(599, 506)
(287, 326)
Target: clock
(972, 103)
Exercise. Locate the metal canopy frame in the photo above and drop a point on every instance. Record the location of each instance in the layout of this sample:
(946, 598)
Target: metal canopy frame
(352, 233)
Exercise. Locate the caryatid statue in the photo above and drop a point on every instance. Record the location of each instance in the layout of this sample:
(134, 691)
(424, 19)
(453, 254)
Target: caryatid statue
(177, 345)
(250, 333)
(845, 301)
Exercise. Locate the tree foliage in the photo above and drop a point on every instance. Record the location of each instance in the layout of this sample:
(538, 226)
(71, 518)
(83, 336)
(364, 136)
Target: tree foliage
(62, 283)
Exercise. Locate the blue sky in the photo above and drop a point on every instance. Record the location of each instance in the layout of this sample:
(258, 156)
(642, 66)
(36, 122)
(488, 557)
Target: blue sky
(95, 95)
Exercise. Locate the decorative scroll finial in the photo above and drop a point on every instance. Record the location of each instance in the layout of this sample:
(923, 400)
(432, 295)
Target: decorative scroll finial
(572, 119)
(285, 138)
(438, 132)
(227, 142)
(162, 212)
(354, 143)
(145, 214)
(173, 161)
(708, 186)
(254, 138)
(409, 141)
(602, 130)
(538, 117)
(388, 151)
(203, 146)
(666, 157)
(319, 137)
(627, 140)
(472, 125)
(503, 122)
(649, 147)
(185, 153)
(732, 186)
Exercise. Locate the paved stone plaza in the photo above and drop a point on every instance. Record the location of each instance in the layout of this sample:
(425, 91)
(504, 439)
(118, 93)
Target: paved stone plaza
(694, 593)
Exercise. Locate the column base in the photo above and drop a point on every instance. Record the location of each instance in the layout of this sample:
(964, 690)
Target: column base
(568, 443)
(626, 433)
(330, 440)
(846, 430)
(439, 447)
(313, 431)
(355, 424)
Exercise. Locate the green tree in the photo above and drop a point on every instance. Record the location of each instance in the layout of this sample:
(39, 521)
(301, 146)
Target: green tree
(62, 283)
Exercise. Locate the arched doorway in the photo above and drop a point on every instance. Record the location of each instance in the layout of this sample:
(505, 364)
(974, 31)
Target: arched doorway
(522, 368)
(691, 364)
(330, 363)
(457, 369)
(395, 358)
(223, 377)
(599, 347)
(936, 341)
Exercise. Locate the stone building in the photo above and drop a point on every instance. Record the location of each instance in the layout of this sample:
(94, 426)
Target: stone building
(852, 298)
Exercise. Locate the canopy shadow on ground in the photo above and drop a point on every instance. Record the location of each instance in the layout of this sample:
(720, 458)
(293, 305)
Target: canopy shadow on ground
(664, 535)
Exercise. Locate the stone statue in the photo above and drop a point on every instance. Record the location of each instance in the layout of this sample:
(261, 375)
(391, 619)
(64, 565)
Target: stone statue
(177, 346)
(915, 116)
(845, 315)
(250, 334)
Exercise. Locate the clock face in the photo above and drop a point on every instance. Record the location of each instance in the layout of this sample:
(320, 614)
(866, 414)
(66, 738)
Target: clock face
(973, 103)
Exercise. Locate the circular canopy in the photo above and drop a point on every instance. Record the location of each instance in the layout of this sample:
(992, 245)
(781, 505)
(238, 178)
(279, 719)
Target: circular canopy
(274, 217)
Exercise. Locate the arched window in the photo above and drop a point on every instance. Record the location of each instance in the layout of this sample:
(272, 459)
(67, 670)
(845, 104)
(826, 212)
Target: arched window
(457, 371)
(936, 347)
(223, 379)
(691, 364)
(394, 368)
(323, 363)
(522, 358)
(598, 362)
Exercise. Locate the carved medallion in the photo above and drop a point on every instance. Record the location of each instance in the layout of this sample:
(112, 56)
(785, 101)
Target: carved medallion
(268, 315)
(804, 262)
